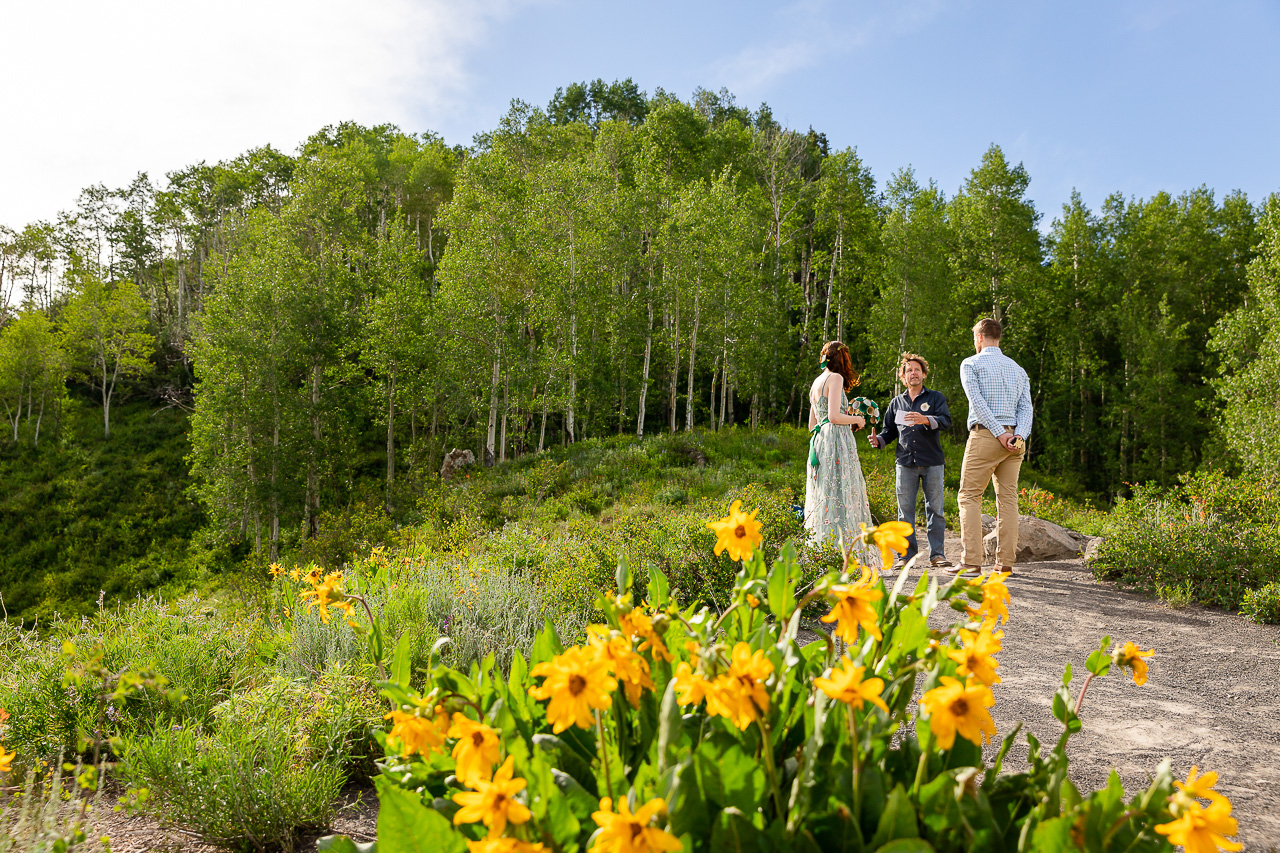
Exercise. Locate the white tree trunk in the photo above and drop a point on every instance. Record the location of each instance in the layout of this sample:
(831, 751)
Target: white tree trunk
(491, 437)
(693, 353)
(573, 377)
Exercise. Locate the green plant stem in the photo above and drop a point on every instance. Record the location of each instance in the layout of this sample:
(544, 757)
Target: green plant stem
(604, 757)
(769, 768)
(1083, 689)
(856, 763)
(921, 768)
(368, 612)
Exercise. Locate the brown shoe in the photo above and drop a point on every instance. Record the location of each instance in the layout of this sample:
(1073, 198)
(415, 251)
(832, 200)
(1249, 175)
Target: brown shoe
(1003, 570)
(941, 563)
(965, 569)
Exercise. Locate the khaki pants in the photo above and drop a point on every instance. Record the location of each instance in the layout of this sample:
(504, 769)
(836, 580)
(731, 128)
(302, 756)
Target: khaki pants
(986, 460)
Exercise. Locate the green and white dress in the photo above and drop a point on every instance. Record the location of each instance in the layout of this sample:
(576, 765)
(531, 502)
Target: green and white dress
(835, 495)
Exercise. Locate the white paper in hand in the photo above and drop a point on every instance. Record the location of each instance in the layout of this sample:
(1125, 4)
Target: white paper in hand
(901, 418)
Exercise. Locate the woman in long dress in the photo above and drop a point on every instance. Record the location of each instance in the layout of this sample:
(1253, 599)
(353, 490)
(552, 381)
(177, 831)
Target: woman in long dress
(835, 496)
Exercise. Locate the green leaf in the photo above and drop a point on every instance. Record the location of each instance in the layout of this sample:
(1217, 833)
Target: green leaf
(734, 833)
(898, 819)
(741, 776)
(1099, 662)
(623, 575)
(659, 587)
(669, 727)
(782, 583)
(908, 637)
(437, 648)
(1053, 836)
(401, 660)
(547, 645)
(906, 845)
(546, 799)
(405, 825)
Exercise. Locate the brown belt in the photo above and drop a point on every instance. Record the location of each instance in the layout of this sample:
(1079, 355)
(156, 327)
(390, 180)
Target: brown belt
(977, 427)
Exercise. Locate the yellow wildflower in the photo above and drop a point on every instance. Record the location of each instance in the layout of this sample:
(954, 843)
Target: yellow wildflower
(846, 685)
(956, 707)
(477, 749)
(637, 623)
(691, 688)
(975, 658)
(742, 688)
(853, 607)
(889, 537)
(1131, 657)
(994, 597)
(276, 570)
(1199, 786)
(752, 600)
(493, 803)
(627, 666)
(624, 832)
(422, 735)
(295, 574)
(1202, 830)
(738, 532)
(6, 759)
(574, 682)
(325, 594)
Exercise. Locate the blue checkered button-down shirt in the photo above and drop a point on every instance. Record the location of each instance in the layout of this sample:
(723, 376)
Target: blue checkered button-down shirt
(999, 392)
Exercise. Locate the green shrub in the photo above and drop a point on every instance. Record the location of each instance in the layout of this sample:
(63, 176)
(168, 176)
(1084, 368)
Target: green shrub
(47, 815)
(243, 788)
(1212, 536)
(1262, 605)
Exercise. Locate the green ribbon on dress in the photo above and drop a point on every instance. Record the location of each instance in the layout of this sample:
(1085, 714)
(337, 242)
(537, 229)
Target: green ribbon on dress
(813, 437)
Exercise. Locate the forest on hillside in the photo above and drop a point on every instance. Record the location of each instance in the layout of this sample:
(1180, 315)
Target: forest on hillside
(618, 263)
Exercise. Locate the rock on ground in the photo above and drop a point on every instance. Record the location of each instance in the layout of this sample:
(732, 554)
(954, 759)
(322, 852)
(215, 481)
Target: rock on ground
(1039, 540)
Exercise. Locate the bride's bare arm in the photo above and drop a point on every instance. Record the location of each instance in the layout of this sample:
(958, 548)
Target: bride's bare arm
(833, 388)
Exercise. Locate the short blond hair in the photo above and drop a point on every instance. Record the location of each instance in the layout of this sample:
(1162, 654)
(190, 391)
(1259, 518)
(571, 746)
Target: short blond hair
(988, 328)
(911, 356)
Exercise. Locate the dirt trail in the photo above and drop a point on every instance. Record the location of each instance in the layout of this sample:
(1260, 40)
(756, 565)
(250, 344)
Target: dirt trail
(1212, 696)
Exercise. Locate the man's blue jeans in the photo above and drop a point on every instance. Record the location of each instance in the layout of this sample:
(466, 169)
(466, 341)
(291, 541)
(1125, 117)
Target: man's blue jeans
(909, 482)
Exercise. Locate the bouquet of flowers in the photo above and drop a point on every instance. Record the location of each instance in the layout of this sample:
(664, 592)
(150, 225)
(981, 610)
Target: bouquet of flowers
(865, 407)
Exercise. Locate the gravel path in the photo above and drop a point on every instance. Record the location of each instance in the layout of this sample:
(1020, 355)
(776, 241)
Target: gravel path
(1211, 696)
(1212, 699)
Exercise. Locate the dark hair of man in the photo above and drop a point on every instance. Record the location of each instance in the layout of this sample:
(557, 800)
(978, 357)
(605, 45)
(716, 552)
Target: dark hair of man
(918, 359)
(836, 355)
(988, 328)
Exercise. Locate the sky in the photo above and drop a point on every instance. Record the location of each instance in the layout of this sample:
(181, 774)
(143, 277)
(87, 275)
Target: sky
(1128, 96)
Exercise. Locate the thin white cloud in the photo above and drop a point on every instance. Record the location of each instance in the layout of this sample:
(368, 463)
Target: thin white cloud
(758, 67)
(829, 29)
(98, 91)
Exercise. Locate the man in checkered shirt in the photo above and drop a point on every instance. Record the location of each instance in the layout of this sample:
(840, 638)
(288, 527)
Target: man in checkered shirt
(999, 423)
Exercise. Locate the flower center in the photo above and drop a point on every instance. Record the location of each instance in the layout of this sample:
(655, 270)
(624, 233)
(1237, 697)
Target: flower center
(960, 707)
(498, 800)
(577, 684)
(478, 739)
(740, 531)
(636, 829)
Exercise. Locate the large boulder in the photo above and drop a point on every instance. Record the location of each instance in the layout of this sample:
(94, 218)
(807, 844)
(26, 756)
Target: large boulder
(454, 460)
(1091, 548)
(1039, 541)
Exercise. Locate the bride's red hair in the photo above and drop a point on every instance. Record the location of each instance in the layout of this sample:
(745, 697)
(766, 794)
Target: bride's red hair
(836, 355)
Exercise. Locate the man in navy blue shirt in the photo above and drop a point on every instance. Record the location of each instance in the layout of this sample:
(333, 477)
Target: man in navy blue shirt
(915, 418)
